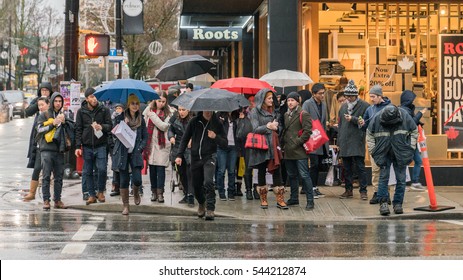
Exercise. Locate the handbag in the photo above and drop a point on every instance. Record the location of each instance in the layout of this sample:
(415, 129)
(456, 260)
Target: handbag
(317, 138)
(256, 141)
(346, 61)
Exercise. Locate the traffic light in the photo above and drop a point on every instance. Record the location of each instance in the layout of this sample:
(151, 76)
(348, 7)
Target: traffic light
(97, 44)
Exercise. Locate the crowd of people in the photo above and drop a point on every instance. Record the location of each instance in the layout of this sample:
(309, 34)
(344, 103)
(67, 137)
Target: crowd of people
(207, 149)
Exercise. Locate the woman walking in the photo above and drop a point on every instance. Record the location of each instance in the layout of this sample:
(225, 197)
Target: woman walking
(157, 150)
(123, 160)
(264, 118)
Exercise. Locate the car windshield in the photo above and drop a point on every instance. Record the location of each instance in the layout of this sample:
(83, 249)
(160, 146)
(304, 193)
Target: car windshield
(14, 96)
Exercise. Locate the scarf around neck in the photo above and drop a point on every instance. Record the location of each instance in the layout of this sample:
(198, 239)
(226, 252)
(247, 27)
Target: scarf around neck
(133, 122)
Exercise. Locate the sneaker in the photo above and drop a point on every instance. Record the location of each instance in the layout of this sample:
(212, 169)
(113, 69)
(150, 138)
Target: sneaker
(398, 209)
(85, 196)
(317, 193)
(231, 197)
(310, 206)
(384, 209)
(374, 199)
(183, 200)
(222, 197)
(418, 187)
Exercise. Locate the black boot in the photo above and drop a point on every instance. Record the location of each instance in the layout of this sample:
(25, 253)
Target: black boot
(255, 192)
(249, 194)
(238, 191)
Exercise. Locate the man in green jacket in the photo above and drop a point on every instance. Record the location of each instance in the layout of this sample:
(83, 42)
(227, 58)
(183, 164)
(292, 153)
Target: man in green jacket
(296, 160)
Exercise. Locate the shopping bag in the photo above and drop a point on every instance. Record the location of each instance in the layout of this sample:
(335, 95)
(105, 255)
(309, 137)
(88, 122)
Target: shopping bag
(329, 181)
(317, 138)
(126, 135)
(346, 61)
(256, 141)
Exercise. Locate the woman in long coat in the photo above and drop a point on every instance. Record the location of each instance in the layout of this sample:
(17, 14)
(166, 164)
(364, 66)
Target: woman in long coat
(264, 118)
(157, 150)
(122, 160)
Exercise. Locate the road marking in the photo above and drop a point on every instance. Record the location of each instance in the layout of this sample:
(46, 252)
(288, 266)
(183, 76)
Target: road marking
(453, 222)
(74, 248)
(85, 233)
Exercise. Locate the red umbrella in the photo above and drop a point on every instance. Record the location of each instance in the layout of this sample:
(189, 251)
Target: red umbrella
(242, 85)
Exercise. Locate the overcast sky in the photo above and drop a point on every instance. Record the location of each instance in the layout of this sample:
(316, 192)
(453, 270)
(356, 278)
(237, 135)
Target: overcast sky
(57, 4)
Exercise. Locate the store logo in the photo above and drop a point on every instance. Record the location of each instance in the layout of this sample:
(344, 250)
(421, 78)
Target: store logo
(215, 34)
(132, 8)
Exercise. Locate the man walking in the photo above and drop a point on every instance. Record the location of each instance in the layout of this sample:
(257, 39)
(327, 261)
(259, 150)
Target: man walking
(294, 154)
(206, 133)
(93, 124)
(351, 141)
(391, 137)
(52, 156)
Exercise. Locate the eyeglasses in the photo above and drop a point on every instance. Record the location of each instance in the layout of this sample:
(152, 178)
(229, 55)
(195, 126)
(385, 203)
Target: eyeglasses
(320, 92)
(134, 103)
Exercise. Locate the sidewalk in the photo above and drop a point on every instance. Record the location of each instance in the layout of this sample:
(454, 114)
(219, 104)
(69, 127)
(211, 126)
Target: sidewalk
(328, 208)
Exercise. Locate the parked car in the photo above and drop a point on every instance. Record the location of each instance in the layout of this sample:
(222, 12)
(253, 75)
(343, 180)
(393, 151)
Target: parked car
(18, 100)
(4, 109)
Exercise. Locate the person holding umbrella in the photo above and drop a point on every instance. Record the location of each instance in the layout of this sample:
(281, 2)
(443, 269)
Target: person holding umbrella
(123, 160)
(206, 133)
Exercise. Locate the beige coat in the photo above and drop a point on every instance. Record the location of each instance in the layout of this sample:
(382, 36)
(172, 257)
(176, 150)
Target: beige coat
(158, 156)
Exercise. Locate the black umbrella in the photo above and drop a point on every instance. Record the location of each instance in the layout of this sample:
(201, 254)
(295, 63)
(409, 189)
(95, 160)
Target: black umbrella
(184, 67)
(211, 99)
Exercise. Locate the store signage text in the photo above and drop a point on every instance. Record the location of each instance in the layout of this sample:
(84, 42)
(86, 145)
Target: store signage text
(215, 34)
(382, 75)
(451, 89)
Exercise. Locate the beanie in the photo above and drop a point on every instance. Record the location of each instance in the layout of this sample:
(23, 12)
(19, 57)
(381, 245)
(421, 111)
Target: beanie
(377, 90)
(132, 98)
(89, 91)
(294, 95)
(317, 87)
(351, 89)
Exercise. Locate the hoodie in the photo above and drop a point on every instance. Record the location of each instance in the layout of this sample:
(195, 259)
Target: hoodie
(201, 145)
(406, 102)
(45, 124)
(33, 107)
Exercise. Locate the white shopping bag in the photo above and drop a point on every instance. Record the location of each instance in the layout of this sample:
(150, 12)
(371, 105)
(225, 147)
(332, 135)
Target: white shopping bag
(126, 135)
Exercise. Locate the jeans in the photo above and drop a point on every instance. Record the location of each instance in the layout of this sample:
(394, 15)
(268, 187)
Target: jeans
(293, 169)
(383, 193)
(95, 158)
(125, 176)
(226, 161)
(349, 163)
(52, 162)
(203, 181)
(157, 177)
(417, 166)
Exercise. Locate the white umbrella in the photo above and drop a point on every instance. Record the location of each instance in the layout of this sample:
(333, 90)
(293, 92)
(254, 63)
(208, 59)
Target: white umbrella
(286, 78)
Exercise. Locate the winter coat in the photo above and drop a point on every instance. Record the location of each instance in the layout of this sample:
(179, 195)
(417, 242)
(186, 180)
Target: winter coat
(243, 127)
(223, 118)
(374, 109)
(397, 141)
(201, 145)
(259, 119)
(120, 153)
(85, 135)
(32, 150)
(177, 129)
(311, 107)
(291, 141)
(158, 156)
(33, 107)
(351, 138)
(406, 102)
(45, 124)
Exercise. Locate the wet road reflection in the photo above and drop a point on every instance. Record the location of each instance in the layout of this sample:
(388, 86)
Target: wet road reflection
(76, 235)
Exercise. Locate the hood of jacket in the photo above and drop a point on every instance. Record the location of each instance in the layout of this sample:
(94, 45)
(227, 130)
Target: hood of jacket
(52, 100)
(406, 98)
(260, 97)
(390, 116)
(46, 85)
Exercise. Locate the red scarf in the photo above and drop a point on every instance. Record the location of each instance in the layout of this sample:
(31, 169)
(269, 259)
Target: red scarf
(161, 135)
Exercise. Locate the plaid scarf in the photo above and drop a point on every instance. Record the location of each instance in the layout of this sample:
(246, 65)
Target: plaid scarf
(161, 134)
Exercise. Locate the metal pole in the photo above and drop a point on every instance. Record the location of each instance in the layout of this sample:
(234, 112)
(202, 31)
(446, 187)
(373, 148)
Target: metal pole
(8, 82)
(119, 32)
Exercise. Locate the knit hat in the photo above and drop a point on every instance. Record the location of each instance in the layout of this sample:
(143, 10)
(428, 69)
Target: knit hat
(89, 91)
(119, 105)
(377, 90)
(294, 95)
(390, 115)
(317, 87)
(351, 89)
(132, 98)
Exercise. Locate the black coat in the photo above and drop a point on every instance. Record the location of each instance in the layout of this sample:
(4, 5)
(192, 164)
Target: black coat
(84, 130)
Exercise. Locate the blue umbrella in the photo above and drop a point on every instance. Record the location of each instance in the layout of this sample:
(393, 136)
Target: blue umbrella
(119, 90)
